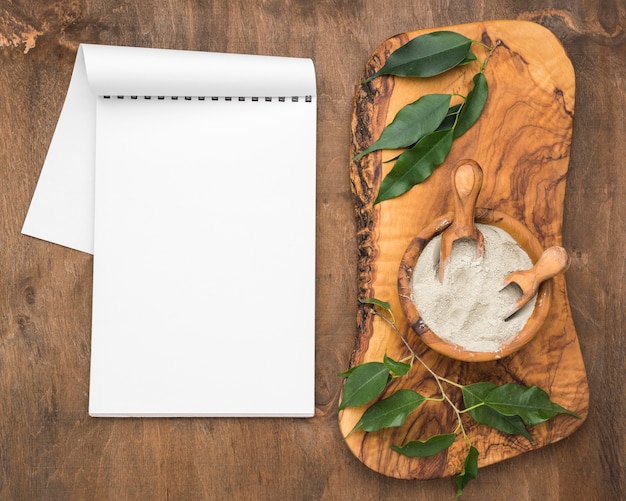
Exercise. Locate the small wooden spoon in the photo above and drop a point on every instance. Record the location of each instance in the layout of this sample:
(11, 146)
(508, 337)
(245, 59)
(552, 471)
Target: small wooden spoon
(553, 261)
(467, 179)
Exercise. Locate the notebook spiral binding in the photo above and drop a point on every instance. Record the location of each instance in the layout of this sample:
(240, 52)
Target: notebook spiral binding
(282, 99)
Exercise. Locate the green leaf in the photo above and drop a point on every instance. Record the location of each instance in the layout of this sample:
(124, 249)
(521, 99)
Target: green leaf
(530, 403)
(380, 304)
(416, 164)
(364, 383)
(473, 106)
(377, 302)
(398, 368)
(434, 445)
(471, 57)
(390, 412)
(348, 372)
(474, 394)
(469, 472)
(427, 55)
(412, 122)
(450, 119)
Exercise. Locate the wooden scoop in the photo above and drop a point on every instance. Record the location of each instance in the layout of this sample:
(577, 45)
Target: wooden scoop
(553, 260)
(467, 179)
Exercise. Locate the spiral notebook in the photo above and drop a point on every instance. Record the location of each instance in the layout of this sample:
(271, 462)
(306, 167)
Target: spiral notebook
(191, 178)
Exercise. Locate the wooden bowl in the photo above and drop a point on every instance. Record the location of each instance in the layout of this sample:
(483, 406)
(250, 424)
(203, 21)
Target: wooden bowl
(526, 241)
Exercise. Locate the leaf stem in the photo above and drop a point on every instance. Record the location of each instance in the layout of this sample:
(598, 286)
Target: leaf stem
(463, 411)
(434, 399)
(482, 44)
(453, 383)
(491, 51)
(438, 379)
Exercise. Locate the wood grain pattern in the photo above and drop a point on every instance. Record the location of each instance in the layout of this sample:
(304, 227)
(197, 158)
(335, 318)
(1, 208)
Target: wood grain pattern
(522, 141)
(51, 450)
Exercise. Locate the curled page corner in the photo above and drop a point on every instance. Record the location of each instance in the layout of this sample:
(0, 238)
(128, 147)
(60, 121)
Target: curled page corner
(62, 207)
(61, 210)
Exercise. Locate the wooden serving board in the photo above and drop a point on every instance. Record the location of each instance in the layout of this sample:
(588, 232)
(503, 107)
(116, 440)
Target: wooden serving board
(522, 141)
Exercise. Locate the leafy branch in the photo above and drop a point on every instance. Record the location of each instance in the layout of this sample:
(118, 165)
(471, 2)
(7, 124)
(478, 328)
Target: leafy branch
(427, 127)
(509, 408)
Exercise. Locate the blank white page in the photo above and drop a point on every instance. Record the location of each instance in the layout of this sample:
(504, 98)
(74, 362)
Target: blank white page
(204, 257)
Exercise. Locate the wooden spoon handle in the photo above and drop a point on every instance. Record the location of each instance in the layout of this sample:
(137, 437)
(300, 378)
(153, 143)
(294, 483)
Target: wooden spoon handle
(553, 261)
(467, 181)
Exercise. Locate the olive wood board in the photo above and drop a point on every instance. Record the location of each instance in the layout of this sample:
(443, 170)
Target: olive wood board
(522, 141)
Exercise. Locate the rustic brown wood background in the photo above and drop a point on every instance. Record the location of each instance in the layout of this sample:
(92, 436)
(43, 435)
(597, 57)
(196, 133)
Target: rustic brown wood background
(51, 450)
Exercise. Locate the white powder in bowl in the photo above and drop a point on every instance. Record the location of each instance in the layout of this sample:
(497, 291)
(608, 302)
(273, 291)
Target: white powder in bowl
(468, 308)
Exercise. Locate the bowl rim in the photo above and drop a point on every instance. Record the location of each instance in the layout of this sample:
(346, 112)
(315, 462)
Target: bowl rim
(525, 239)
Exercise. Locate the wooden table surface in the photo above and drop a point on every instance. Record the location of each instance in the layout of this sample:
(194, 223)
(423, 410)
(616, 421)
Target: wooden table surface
(51, 450)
